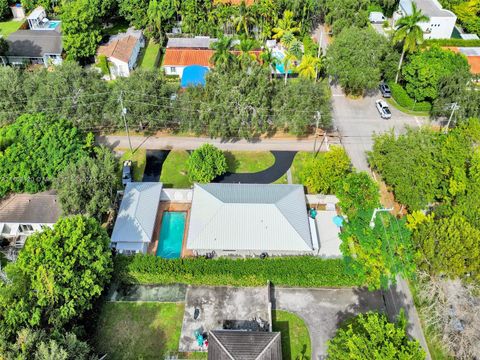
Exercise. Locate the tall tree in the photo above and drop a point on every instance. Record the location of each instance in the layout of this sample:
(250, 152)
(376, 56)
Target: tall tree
(244, 19)
(309, 67)
(206, 163)
(288, 63)
(56, 277)
(285, 26)
(409, 33)
(246, 46)
(89, 186)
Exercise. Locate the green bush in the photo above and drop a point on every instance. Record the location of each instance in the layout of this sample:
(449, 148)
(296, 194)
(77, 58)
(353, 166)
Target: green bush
(451, 42)
(401, 97)
(302, 271)
(103, 64)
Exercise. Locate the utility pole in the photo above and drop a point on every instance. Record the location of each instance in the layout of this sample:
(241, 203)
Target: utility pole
(374, 215)
(454, 106)
(318, 117)
(124, 113)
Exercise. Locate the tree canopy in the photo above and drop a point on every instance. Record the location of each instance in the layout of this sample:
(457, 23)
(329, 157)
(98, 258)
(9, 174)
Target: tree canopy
(425, 69)
(372, 336)
(206, 163)
(35, 149)
(355, 59)
(89, 186)
(57, 275)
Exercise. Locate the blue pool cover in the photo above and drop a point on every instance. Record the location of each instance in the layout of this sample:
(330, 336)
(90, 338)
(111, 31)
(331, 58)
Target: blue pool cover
(194, 75)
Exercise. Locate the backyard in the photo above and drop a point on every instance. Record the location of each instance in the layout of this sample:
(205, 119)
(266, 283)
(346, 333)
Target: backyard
(8, 27)
(295, 336)
(149, 55)
(128, 330)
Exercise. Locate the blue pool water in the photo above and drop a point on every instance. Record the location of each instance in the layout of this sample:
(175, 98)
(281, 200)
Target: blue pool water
(52, 24)
(280, 56)
(171, 235)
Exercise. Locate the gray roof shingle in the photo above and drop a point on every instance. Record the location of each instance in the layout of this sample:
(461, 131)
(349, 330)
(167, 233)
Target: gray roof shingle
(42, 208)
(34, 43)
(249, 217)
(193, 43)
(244, 345)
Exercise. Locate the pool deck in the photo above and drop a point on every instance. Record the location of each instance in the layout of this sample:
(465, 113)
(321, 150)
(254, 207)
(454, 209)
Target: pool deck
(170, 206)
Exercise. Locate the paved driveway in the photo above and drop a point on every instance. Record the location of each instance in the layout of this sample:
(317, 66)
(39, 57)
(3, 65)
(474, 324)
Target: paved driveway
(358, 119)
(324, 309)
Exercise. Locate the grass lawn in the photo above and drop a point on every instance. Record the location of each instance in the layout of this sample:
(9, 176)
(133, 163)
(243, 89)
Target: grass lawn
(149, 55)
(393, 103)
(295, 336)
(8, 27)
(249, 161)
(128, 330)
(118, 27)
(174, 170)
(139, 160)
(298, 164)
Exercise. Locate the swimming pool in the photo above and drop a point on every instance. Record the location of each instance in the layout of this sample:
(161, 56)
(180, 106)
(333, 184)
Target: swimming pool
(171, 234)
(52, 24)
(279, 66)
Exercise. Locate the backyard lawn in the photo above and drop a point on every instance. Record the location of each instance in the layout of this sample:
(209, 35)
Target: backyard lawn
(139, 160)
(174, 170)
(149, 55)
(295, 336)
(8, 27)
(128, 330)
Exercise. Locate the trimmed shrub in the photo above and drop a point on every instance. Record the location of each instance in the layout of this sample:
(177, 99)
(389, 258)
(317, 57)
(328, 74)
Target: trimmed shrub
(103, 64)
(400, 95)
(301, 271)
(451, 42)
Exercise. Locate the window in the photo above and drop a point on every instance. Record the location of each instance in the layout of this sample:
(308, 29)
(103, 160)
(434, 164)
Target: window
(129, 252)
(26, 227)
(173, 69)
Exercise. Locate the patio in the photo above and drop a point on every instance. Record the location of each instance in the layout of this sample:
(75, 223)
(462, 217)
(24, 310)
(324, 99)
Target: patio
(213, 308)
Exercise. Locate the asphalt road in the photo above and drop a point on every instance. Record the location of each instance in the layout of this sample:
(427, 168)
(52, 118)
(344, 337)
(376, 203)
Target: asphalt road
(358, 119)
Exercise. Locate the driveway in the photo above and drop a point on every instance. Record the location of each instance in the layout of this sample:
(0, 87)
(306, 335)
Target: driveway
(358, 119)
(323, 310)
(283, 161)
(153, 166)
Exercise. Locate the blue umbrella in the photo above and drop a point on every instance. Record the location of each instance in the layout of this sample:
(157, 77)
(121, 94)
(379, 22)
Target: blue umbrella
(338, 220)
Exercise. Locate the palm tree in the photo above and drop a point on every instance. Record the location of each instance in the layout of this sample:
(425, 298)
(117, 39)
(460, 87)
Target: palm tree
(268, 60)
(409, 33)
(244, 19)
(285, 25)
(223, 54)
(287, 63)
(245, 46)
(309, 67)
(296, 48)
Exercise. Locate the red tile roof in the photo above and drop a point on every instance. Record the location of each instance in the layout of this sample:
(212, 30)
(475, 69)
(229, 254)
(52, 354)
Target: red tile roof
(473, 60)
(120, 49)
(186, 57)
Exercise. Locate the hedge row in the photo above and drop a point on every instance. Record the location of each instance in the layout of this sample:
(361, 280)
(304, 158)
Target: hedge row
(299, 271)
(451, 42)
(401, 97)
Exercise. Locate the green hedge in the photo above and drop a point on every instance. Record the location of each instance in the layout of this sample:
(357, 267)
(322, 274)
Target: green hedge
(300, 271)
(401, 97)
(451, 42)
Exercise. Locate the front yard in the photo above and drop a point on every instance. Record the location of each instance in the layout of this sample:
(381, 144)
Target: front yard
(128, 330)
(8, 27)
(139, 160)
(295, 336)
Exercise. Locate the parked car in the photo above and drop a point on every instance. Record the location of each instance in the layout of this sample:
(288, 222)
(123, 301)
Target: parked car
(127, 172)
(385, 90)
(383, 109)
(376, 17)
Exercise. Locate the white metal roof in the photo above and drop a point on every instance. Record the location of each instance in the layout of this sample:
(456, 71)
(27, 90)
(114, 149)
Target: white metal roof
(136, 218)
(431, 8)
(249, 217)
(38, 12)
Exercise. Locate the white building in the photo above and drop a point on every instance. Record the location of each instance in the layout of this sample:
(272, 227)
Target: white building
(441, 23)
(122, 51)
(23, 214)
(135, 223)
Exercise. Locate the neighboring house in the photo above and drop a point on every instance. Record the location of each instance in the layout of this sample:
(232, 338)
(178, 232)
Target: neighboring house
(441, 23)
(183, 52)
(41, 44)
(473, 57)
(136, 217)
(244, 345)
(250, 220)
(122, 51)
(23, 214)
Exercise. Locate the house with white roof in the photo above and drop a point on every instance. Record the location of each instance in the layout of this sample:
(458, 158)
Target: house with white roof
(441, 23)
(250, 220)
(135, 223)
